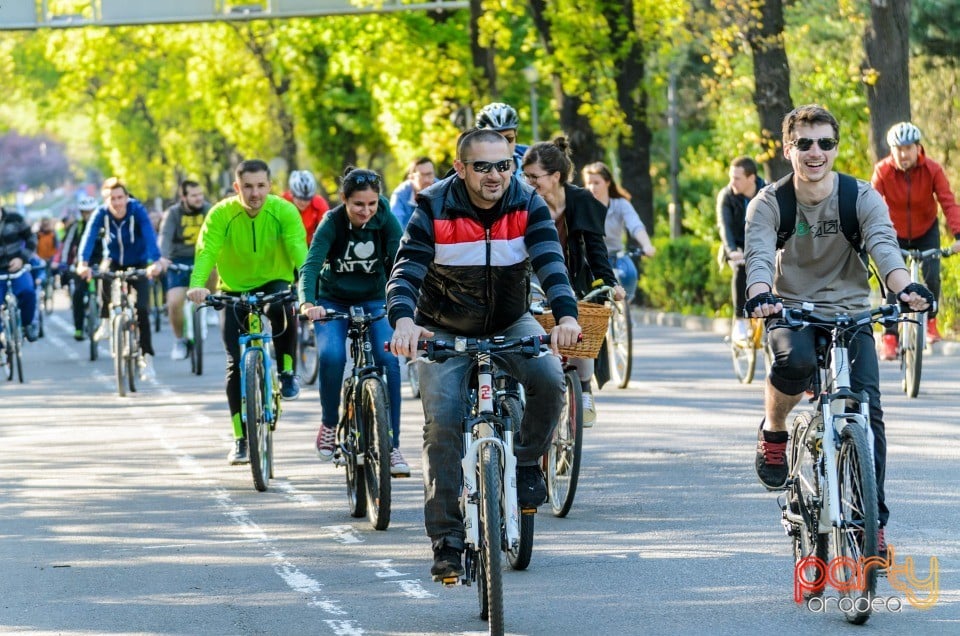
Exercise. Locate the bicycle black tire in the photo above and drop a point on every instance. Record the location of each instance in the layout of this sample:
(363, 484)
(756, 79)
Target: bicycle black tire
(257, 430)
(856, 538)
(119, 332)
(620, 344)
(17, 342)
(348, 439)
(377, 447)
(48, 289)
(744, 358)
(911, 359)
(803, 496)
(156, 301)
(519, 556)
(92, 319)
(196, 345)
(566, 448)
(132, 354)
(8, 348)
(309, 360)
(490, 575)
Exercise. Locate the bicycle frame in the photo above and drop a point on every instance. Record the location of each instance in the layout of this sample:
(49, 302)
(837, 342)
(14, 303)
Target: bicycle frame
(257, 339)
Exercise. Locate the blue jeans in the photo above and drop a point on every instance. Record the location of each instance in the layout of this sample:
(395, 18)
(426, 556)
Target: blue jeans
(445, 404)
(626, 273)
(331, 351)
(26, 293)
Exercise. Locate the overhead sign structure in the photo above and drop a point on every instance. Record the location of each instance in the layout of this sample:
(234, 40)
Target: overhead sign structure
(38, 14)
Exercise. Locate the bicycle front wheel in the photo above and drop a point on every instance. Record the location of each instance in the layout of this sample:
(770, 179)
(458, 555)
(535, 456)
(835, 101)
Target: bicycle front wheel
(92, 321)
(376, 462)
(258, 431)
(120, 354)
(132, 353)
(744, 356)
(856, 537)
(803, 498)
(911, 360)
(519, 555)
(566, 448)
(351, 450)
(196, 347)
(490, 573)
(309, 362)
(7, 348)
(620, 344)
(17, 343)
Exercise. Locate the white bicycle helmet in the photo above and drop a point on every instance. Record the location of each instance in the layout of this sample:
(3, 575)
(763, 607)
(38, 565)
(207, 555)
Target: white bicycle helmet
(302, 184)
(87, 204)
(903, 134)
(498, 116)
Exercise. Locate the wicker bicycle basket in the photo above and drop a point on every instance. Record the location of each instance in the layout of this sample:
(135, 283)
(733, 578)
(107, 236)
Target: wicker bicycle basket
(593, 322)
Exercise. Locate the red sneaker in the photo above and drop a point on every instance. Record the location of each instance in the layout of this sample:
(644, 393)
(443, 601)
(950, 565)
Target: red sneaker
(890, 345)
(933, 335)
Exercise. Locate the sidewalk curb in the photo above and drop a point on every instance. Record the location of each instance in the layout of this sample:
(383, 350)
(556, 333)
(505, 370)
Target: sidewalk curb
(721, 326)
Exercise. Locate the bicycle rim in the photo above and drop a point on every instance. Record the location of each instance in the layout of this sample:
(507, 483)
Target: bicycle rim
(563, 456)
(376, 465)
(802, 499)
(491, 538)
(257, 429)
(856, 537)
(620, 344)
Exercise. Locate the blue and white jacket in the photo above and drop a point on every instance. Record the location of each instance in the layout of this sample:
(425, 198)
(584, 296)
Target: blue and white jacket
(131, 241)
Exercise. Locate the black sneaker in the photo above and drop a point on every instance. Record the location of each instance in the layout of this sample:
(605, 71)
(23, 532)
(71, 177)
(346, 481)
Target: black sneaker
(239, 453)
(289, 386)
(531, 488)
(447, 563)
(771, 461)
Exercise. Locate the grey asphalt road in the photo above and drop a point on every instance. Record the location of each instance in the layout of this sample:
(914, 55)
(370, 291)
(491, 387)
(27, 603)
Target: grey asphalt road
(121, 515)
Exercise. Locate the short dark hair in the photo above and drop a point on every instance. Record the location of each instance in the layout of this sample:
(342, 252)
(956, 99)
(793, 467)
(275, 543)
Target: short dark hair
(358, 179)
(112, 184)
(252, 165)
(554, 156)
(808, 115)
(419, 161)
(748, 165)
(478, 135)
(188, 183)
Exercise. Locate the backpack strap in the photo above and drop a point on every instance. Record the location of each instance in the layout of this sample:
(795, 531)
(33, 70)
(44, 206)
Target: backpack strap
(849, 225)
(787, 203)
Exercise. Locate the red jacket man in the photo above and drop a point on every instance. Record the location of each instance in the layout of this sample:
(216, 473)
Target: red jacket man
(914, 186)
(303, 194)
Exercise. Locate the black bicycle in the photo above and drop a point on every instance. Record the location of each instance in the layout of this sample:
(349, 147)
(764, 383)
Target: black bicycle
(124, 328)
(364, 437)
(11, 329)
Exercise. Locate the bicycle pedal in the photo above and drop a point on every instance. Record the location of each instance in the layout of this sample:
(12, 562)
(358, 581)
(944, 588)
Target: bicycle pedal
(528, 511)
(447, 581)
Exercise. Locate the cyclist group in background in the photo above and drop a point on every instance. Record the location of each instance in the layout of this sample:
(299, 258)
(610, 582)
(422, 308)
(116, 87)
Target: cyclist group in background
(455, 256)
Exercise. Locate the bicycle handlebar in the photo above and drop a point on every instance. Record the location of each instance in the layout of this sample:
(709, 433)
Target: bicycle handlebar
(247, 300)
(440, 350)
(794, 318)
(124, 274)
(938, 252)
(180, 267)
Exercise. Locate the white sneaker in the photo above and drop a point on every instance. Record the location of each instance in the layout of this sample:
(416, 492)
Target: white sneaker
(398, 465)
(179, 350)
(741, 333)
(147, 374)
(589, 410)
(103, 331)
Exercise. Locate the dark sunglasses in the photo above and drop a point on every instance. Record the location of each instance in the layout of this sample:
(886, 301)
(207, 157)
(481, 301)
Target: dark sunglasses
(805, 143)
(483, 167)
(363, 178)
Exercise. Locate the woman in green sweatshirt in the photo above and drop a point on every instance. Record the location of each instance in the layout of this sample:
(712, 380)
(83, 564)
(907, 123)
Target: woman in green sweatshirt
(348, 264)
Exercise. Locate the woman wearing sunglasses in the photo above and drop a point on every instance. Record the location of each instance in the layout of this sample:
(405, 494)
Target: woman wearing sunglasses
(348, 263)
(579, 218)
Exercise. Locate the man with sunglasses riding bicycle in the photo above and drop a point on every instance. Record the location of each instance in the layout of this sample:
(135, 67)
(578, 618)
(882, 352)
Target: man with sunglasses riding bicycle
(818, 264)
(463, 270)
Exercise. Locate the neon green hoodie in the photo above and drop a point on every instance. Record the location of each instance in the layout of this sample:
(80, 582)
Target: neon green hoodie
(250, 252)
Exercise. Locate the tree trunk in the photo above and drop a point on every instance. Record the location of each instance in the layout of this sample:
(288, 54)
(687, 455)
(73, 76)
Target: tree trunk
(771, 75)
(886, 69)
(584, 144)
(483, 57)
(633, 151)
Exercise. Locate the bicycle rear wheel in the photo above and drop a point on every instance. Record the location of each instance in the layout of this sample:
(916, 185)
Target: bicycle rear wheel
(912, 337)
(803, 498)
(196, 346)
(563, 456)
(490, 551)
(744, 355)
(120, 354)
(620, 344)
(376, 460)
(258, 431)
(350, 448)
(856, 537)
(309, 362)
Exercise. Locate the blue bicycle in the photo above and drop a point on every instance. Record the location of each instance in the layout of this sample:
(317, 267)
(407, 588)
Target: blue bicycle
(259, 382)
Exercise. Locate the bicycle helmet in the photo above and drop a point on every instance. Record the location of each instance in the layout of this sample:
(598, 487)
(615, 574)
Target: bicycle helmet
(87, 204)
(903, 134)
(302, 184)
(498, 116)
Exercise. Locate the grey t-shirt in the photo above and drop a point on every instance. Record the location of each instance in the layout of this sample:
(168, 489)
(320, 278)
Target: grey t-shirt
(620, 216)
(817, 264)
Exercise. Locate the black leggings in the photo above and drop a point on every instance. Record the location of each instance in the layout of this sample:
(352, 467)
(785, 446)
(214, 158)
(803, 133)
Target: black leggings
(283, 326)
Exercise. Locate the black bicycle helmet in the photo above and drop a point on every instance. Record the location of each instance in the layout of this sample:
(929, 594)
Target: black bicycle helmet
(498, 116)
(903, 134)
